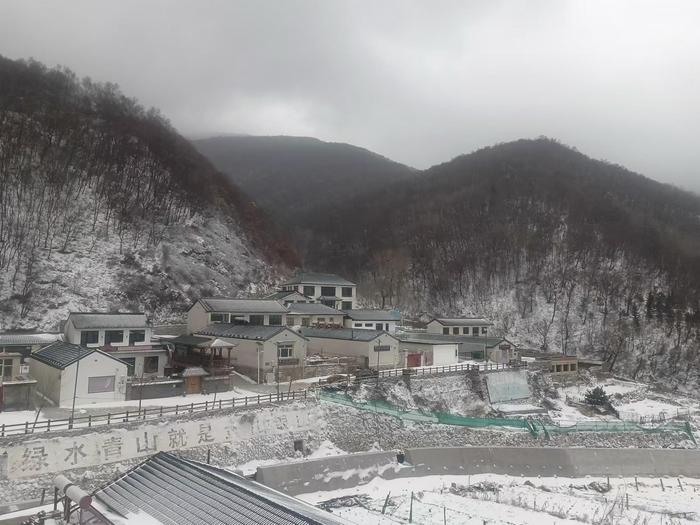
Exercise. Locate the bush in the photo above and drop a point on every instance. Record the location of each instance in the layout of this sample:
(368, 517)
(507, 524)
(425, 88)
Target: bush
(597, 396)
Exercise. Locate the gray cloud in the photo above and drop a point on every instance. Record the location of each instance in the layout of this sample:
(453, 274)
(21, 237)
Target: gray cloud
(420, 82)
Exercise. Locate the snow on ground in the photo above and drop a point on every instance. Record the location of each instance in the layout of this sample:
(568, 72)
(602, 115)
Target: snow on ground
(498, 499)
(325, 449)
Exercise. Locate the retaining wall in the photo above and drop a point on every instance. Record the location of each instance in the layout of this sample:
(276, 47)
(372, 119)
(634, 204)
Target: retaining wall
(340, 472)
(331, 473)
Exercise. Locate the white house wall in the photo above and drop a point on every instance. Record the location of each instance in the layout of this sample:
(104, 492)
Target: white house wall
(197, 318)
(387, 326)
(73, 335)
(359, 349)
(48, 380)
(94, 365)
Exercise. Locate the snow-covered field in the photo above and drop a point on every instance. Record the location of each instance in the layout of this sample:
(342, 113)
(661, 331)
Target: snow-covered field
(497, 499)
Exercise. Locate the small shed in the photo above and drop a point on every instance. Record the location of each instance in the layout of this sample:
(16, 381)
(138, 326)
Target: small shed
(193, 379)
(64, 371)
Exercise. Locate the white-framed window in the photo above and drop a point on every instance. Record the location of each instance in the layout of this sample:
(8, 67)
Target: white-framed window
(285, 350)
(219, 318)
(100, 384)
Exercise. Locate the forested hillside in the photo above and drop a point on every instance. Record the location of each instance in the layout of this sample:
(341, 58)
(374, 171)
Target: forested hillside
(294, 177)
(103, 205)
(564, 252)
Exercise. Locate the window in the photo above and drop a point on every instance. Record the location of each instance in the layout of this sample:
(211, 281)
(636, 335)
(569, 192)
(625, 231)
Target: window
(331, 320)
(136, 336)
(99, 384)
(219, 318)
(320, 319)
(150, 364)
(445, 331)
(256, 320)
(483, 329)
(347, 305)
(89, 337)
(275, 320)
(346, 291)
(131, 365)
(475, 330)
(328, 291)
(357, 325)
(290, 320)
(378, 326)
(6, 368)
(114, 336)
(455, 330)
(310, 290)
(368, 325)
(465, 331)
(329, 304)
(285, 350)
(386, 327)
(304, 321)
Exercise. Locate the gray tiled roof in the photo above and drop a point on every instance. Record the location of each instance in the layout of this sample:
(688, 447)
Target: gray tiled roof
(347, 334)
(243, 306)
(189, 340)
(170, 329)
(28, 339)
(318, 278)
(61, 354)
(82, 320)
(463, 321)
(233, 331)
(278, 296)
(373, 315)
(312, 309)
(176, 491)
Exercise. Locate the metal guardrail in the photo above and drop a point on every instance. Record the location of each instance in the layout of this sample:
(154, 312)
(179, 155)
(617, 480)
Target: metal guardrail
(54, 425)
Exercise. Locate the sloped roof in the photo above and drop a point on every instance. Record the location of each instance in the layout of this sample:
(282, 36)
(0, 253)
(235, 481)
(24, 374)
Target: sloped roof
(312, 309)
(463, 321)
(28, 339)
(283, 294)
(189, 340)
(243, 306)
(194, 371)
(234, 331)
(346, 334)
(318, 278)
(466, 342)
(176, 491)
(170, 329)
(373, 315)
(62, 355)
(86, 320)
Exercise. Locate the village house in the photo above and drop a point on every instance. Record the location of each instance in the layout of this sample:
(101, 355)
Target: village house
(386, 320)
(65, 370)
(370, 348)
(421, 349)
(127, 336)
(256, 312)
(313, 314)
(269, 354)
(26, 343)
(472, 326)
(287, 297)
(325, 288)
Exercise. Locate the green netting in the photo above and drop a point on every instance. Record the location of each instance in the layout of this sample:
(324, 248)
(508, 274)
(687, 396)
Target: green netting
(534, 427)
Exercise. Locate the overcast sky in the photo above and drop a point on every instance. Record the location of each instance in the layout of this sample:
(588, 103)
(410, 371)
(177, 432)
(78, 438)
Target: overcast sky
(419, 82)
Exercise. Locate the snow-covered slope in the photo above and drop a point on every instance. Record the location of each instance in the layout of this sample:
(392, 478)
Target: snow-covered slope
(104, 206)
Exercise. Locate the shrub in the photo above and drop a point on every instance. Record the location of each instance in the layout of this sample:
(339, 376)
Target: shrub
(597, 396)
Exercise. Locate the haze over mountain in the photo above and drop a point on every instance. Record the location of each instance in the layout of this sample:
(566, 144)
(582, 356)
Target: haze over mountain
(292, 177)
(103, 205)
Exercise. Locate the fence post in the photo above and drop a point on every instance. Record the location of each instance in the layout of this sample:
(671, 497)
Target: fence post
(3, 430)
(219, 404)
(26, 427)
(161, 411)
(48, 426)
(89, 420)
(191, 407)
(127, 416)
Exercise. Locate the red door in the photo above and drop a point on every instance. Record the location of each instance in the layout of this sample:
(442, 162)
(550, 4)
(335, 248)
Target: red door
(413, 360)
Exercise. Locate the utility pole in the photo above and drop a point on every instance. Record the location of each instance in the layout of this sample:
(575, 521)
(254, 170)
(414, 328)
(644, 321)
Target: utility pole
(277, 370)
(141, 387)
(75, 388)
